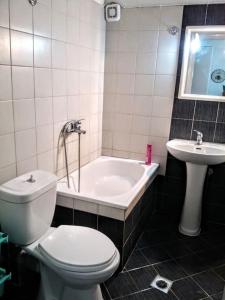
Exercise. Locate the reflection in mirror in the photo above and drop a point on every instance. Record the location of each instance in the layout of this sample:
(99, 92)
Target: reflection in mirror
(203, 68)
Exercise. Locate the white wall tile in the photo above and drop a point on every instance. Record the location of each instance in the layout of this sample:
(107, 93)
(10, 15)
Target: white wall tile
(125, 83)
(148, 41)
(25, 144)
(164, 85)
(46, 161)
(127, 41)
(59, 109)
(144, 84)
(44, 111)
(146, 63)
(58, 55)
(43, 82)
(42, 20)
(166, 63)
(138, 143)
(72, 82)
(58, 26)
(4, 13)
(126, 63)
(140, 69)
(149, 18)
(72, 30)
(160, 127)
(142, 105)
(60, 6)
(21, 48)
(21, 15)
(162, 106)
(7, 150)
(42, 52)
(4, 46)
(140, 125)
(34, 118)
(24, 114)
(26, 165)
(23, 82)
(5, 83)
(6, 117)
(44, 138)
(170, 15)
(59, 82)
(168, 42)
(7, 173)
(121, 141)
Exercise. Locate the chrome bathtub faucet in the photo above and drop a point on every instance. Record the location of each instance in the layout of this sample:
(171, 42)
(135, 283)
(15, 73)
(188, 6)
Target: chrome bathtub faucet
(199, 137)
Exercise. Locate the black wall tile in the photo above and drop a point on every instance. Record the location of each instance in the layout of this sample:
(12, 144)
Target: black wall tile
(207, 128)
(82, 218)
(221, 113)
(194, 15)
(112, 228)
(220, 133)
(206, 111)
(183, 109)
(216, 14)
(180, 129)
(63, 216)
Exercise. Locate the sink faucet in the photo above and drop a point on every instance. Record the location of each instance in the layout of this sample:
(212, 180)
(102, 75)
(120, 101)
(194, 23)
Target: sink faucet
(199, 137)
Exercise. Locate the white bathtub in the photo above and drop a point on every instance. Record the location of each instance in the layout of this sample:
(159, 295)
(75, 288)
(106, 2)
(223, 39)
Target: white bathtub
(109, 186)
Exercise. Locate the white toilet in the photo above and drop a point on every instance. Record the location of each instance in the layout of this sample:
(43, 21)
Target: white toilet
(74, 260)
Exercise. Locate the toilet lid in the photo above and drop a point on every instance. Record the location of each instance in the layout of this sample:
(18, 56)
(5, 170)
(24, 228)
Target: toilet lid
(77, 248)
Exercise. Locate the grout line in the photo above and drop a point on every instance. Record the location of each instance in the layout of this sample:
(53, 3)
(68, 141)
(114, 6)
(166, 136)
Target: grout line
(217, 115)
(193, 119)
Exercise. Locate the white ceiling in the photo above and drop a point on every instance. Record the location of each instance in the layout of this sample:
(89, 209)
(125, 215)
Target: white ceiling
(145, 3)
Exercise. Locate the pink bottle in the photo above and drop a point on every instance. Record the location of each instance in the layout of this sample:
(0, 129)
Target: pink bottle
(148, 158)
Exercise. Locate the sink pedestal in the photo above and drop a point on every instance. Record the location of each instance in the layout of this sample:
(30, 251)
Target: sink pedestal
(190, 223)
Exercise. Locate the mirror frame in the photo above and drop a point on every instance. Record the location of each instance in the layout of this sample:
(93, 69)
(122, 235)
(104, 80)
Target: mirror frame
(188, 32)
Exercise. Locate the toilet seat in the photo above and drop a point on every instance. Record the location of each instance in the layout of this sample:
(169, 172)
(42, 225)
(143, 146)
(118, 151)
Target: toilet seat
(78, 249)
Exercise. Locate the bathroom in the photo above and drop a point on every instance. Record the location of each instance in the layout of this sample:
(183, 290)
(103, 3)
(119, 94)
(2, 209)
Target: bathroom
(84, 89)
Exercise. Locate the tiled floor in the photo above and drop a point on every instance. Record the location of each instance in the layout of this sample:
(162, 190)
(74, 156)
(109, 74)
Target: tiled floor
(196, 265)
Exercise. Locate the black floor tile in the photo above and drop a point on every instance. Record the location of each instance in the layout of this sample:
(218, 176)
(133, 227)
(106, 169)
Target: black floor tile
(151, 294)
(192, 264)
(196, 244)
(121, 285)
(187, 289)
(136, 260)
(170, 270)
(213, 257)
(215, 238)
(143, 277)
(217, 296)
(155, 254)
(220, 271)
(177, 249)
(209, 282)
(155, 237)
(105, 293)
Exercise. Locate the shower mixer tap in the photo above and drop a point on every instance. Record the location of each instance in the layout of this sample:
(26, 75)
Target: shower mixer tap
(74, 126)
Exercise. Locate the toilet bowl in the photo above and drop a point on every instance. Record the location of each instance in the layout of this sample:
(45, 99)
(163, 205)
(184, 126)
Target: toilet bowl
(74, 260)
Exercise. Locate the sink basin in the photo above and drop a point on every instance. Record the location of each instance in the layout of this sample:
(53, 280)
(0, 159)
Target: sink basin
(205, 154)
(197, 158)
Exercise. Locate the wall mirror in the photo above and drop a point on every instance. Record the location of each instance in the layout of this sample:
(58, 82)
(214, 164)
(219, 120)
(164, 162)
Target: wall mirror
(203, 66)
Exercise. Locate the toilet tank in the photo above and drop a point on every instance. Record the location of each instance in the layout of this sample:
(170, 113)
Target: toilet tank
(27, 205)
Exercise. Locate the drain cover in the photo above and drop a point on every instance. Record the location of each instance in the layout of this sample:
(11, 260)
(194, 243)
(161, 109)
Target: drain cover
(162, 284)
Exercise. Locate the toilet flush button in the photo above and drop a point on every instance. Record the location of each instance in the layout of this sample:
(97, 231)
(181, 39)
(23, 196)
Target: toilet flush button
(31, 179)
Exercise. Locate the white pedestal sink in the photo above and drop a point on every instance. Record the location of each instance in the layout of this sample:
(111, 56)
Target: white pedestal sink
(197, 158)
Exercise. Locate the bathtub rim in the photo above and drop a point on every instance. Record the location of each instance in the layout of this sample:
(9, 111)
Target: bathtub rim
(113, 209)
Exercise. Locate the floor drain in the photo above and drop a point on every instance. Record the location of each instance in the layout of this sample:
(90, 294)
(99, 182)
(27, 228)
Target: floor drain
(162, 284)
